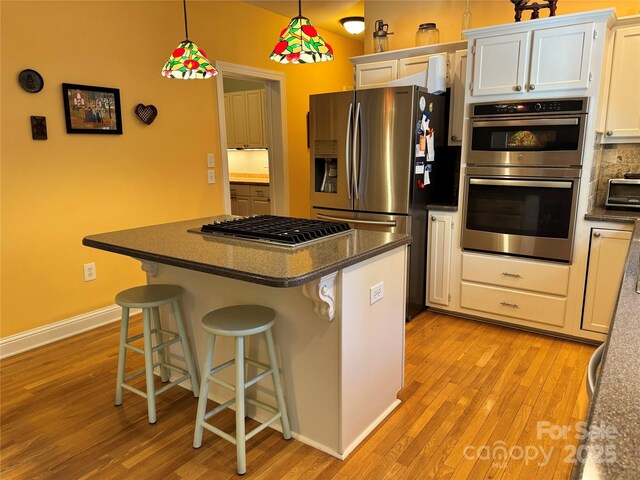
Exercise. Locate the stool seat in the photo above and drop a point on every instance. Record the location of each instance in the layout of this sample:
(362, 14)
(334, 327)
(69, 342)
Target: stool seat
(239, 320)
(148, 296)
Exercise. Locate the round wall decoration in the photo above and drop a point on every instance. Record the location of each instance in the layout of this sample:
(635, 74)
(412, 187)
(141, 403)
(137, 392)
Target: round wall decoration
(31, 81)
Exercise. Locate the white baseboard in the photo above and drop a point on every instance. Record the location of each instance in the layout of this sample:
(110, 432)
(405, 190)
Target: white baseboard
(37, 337)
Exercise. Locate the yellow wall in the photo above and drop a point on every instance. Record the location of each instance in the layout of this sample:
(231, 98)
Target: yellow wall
(404, 17)
(55, 192)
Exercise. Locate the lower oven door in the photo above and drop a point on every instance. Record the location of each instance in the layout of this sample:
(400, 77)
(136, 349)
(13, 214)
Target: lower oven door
(527, 216)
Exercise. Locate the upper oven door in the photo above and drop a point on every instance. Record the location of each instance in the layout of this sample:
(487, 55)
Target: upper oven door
(541, 141)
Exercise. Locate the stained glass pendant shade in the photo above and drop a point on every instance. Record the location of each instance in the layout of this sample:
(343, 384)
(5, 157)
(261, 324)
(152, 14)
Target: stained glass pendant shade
(301, 43)
(187, 61)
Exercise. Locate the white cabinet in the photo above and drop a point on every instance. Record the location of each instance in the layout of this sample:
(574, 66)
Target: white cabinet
(439, 258)
(622, 121)
(547, 59)
(250, 199)
(376, 74)
(456, 116)
(245, 119)
(607, 258)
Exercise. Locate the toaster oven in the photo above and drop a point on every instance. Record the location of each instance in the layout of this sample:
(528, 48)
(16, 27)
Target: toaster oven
(623, 192)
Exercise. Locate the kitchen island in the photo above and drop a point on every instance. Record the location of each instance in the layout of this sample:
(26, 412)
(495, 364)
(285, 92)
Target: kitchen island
(339, 346)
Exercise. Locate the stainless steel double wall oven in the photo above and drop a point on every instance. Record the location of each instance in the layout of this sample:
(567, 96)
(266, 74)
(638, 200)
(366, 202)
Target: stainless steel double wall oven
(522, 177)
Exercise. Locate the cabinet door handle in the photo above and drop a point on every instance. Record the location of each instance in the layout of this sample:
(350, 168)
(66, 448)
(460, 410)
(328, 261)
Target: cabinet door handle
(518, 88)
(454, 138)
(596, 234)
(532, 87)
(507, 304)
(433, 218)
(609, 133)
(514, 275)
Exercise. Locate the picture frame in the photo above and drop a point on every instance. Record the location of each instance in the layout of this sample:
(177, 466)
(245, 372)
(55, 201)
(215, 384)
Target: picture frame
(90, 109)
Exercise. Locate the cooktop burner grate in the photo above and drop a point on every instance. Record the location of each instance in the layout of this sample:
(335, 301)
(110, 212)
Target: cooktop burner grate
(280, 230)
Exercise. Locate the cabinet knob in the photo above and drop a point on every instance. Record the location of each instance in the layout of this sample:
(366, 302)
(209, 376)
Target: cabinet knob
(433, 218)
(518, 88)
(596, 234)
(454, 138)
(532, 87)
(609, 133)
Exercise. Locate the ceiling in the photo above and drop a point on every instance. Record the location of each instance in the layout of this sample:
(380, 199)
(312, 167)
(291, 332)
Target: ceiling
(324, 15)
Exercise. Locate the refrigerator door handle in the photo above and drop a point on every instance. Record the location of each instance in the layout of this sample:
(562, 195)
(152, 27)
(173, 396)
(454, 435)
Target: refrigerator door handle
(348, 158)
(386, 223)
(355, 153)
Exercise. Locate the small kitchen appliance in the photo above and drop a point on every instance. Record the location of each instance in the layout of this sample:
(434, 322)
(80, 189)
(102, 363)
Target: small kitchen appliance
(623, 192)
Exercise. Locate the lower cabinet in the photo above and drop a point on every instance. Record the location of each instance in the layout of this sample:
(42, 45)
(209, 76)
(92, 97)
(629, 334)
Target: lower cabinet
(607, 258)
(439, 258)
(250, 200)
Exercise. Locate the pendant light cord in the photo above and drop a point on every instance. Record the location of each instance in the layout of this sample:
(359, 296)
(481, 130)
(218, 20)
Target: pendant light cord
(186, 30)
(299, 8)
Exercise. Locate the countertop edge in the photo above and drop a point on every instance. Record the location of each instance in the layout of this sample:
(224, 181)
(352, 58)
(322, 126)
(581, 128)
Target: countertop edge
(279, 282)
(601, 214)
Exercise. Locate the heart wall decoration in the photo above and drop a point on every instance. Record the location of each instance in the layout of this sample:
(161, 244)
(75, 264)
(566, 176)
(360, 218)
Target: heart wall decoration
(146, 113)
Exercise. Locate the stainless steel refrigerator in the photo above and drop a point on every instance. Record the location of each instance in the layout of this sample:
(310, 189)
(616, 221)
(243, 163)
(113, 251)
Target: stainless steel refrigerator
(378, 157)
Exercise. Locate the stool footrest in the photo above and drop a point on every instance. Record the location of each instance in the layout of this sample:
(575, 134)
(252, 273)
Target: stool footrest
(222, 383)
(133, 389)
(257, 378)
(165, 344)
(262, 426)
(222, 366)
(218, 432)
(262, 405)
(172, 384)
(219, 408)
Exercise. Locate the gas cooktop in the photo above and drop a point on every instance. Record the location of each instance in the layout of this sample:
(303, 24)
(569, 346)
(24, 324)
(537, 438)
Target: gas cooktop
(285, 231)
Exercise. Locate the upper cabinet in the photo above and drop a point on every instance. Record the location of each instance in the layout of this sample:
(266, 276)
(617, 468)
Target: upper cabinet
(622, 97)
(245, 119)
(548, 59)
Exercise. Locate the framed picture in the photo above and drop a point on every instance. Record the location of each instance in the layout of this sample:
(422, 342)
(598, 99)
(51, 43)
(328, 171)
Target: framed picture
(92, 109)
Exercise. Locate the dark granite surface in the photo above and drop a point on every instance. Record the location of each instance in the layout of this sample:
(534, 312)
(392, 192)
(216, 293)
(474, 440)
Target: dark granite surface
(442, 207)
(601, 214)
(615, 409)
(271, 265)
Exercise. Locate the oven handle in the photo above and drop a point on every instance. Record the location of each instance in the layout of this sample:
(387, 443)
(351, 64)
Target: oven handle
(527, 123)
(520, 183)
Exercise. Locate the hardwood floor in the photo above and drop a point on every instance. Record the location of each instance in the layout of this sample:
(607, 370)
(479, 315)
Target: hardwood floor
(473, 398)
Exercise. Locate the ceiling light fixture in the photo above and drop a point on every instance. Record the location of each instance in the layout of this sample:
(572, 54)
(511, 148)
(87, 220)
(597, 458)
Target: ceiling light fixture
(353, 25)
(300, 42)
(187, 61)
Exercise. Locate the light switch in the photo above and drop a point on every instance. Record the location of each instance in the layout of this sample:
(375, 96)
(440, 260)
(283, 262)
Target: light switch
(210, 161)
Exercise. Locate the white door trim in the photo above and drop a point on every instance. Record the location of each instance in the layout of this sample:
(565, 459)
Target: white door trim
(276, 119)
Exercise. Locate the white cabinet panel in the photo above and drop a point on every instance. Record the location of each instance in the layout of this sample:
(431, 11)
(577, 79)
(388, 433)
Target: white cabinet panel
(607, 258)
(245, 119)
(411, 65)
(254, 109)
(456, 116)
(623, 107)
(376, 74)
(499, 65)
(439, 267)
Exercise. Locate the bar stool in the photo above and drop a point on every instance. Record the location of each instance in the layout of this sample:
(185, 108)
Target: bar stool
(239, 321)
(149, 298)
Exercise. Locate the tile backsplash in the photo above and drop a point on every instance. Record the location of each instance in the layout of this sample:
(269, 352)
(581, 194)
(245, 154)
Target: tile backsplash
(614, 161)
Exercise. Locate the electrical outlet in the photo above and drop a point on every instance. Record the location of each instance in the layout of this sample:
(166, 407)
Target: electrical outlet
(89, 271)
(211, 176)
(210, 160)
(376, 293)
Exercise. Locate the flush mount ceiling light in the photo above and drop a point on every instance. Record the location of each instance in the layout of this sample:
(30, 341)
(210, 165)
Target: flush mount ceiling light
(187, 61)
(353, 25)
(300, 43)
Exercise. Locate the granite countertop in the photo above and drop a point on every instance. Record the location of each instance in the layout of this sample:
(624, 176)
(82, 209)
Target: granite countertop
(254, 262)
(601, 214)
(612, 451)
(248, 179)
(442, 207)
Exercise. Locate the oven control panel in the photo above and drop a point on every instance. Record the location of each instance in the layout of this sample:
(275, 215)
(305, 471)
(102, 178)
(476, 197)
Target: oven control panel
(572, 105)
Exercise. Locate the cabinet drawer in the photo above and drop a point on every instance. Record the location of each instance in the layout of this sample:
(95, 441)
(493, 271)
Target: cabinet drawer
(515, 273)
(261, 191)
(532, 307)
(239, 189)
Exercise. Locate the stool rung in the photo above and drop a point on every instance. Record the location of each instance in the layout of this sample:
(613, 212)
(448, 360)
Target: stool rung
(261, 427)
(181, 371)
(262, 405)
(219, 408)
(166, 332)
(218, 432)
(222, 383)
(166, 344)
(257, 378)
(134, 390)
(135, 337)
(134, 348)
(172, 384)
(134, 374)
(257, 364)
(222, 366)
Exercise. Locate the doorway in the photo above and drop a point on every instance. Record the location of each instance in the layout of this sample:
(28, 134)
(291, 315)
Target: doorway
(273, 83)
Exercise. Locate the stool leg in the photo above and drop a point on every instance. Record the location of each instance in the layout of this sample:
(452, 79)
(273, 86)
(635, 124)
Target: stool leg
(284, 419)
(204, 391)
(240, 427)
(148, 365)
(195, 386)
(122, 354)
(163, 355)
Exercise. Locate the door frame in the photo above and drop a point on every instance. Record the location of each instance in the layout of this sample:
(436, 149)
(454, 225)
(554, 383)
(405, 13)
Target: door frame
(276, 118)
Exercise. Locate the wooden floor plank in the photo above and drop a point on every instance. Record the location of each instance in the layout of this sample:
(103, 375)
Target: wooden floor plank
(467, 383)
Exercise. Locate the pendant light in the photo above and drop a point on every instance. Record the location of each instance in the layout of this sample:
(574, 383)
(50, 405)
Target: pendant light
(300, 43)
(187, 61)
